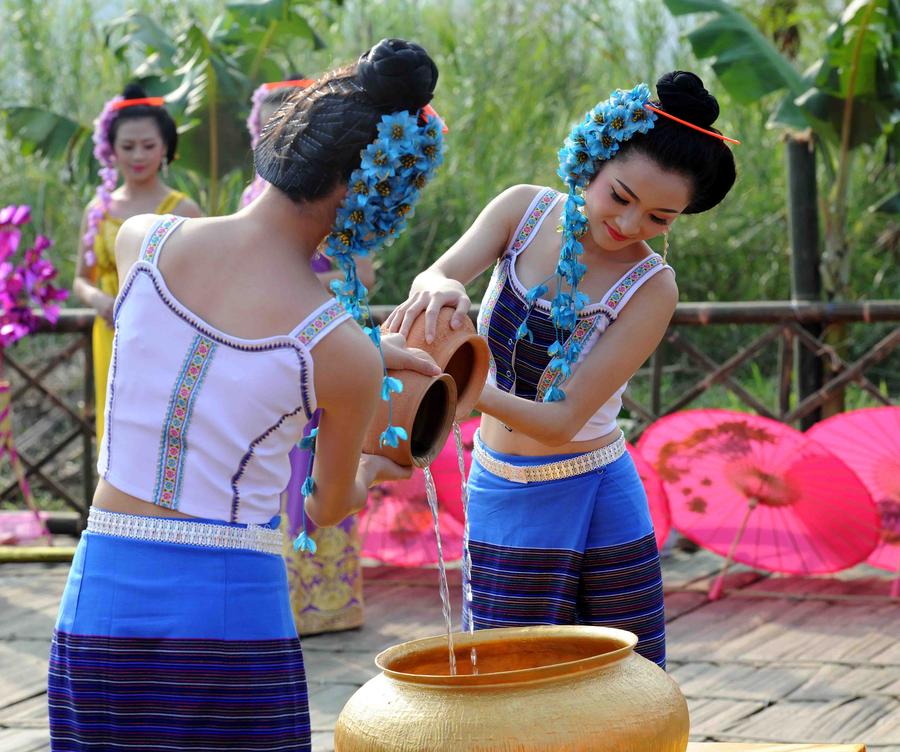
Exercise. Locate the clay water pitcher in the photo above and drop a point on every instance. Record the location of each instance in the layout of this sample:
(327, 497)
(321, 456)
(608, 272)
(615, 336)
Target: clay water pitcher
(424, 409)
(462, 353)
(538, 689)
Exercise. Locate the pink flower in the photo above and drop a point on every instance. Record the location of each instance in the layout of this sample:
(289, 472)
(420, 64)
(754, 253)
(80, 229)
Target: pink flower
(26, 292)
(15, 215)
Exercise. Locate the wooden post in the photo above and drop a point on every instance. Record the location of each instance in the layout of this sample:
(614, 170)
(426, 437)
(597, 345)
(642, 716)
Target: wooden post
(806, 283)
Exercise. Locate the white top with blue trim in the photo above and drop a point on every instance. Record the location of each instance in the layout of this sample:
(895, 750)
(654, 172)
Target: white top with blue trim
(196, 419)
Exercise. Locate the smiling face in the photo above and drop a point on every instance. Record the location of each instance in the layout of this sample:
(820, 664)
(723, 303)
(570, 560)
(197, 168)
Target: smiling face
(631, 199)
(139, 149)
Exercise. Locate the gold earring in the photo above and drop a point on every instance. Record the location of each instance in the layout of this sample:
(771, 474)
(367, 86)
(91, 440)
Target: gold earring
(165, 168)
(665, 246)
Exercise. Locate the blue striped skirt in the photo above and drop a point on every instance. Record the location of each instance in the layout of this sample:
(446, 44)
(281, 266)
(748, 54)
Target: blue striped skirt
(578, 550)
(171, 646)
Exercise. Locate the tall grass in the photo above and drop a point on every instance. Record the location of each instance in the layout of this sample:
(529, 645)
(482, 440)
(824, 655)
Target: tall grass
(514, 76)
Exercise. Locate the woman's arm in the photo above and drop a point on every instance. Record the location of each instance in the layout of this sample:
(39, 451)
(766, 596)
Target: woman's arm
(83, 285)
(620, 351)
(444, 282)
(348, 397)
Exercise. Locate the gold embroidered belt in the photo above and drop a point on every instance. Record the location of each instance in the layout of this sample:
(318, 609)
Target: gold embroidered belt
(569, 468)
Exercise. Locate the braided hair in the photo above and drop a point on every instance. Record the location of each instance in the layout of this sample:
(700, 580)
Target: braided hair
(315, 140)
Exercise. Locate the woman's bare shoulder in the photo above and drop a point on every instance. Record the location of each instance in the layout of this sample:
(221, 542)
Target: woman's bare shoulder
(348, 368)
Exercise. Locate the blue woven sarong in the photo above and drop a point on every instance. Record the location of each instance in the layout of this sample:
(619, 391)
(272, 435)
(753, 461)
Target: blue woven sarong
(579, 550)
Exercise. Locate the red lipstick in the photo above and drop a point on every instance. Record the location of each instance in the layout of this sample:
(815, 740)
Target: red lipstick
(617, 236)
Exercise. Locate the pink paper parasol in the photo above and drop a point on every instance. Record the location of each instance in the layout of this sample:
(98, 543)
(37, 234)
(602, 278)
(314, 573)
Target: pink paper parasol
(761, 493)
(397, 528)
(868, 441)
(656, 496)
(22, 526)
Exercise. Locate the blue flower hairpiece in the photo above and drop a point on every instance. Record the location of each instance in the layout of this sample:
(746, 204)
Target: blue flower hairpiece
(595, 139)
(381, 197)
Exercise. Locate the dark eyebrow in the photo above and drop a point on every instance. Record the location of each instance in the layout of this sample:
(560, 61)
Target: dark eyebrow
(634, 196)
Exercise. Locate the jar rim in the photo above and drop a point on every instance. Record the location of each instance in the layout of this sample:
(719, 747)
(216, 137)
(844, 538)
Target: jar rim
(394, 660)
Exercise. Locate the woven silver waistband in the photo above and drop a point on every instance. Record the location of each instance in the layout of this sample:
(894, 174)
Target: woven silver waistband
(578, 465)
(187, 532)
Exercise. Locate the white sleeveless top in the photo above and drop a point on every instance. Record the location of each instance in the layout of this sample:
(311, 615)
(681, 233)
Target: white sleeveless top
(522, 367)
(196, 419)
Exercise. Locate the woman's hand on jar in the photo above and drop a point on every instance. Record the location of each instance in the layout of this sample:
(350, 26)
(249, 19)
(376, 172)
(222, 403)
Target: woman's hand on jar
(399, 357)
(447, 293)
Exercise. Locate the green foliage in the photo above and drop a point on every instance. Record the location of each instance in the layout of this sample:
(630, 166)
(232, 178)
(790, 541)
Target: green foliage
(515, 74)
(849, 97)
(746, 63)
(208, 73)
(858, 62)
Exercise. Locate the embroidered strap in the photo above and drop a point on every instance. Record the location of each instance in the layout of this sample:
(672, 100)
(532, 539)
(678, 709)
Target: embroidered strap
(173, 444)
(580, 335)
(532, 219)
(621, 292)
(157, 237)
(321, 321)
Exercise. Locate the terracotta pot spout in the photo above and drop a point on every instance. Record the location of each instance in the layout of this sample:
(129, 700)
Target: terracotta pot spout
(425, 409)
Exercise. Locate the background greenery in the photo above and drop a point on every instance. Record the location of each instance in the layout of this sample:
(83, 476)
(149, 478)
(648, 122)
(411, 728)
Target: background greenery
(514, 75)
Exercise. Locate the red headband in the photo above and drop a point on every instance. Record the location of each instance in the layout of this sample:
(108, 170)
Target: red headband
(429, 111)
(300, 83)
(149, 101)
(691, 125)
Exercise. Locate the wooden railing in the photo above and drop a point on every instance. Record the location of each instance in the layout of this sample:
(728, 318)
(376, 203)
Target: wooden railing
(53, 410)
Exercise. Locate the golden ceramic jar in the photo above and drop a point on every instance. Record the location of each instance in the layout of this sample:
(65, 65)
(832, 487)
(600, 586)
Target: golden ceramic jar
(560, 688)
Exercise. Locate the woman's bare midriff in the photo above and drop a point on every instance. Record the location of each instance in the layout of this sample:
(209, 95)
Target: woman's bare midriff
(111, 499)
(499, 438)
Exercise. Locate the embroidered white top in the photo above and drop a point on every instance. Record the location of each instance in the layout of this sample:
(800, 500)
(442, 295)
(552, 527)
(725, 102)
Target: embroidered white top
(521, 366)
(196, 419)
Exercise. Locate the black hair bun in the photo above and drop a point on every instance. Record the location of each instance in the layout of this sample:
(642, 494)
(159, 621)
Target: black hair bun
(682, 94)
(134, 91)
(397, 75)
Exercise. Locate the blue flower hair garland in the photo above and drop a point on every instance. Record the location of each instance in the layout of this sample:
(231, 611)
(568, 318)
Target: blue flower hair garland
(381, 198)
(594, 140)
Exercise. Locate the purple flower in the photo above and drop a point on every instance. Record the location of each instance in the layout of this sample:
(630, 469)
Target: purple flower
(26, 292)
(103, 152)
(253, 124)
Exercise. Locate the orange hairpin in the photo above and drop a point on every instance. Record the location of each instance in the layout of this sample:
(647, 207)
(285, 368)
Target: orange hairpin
(691, 125)
(149, 101)
(429, 111)
(300, 83)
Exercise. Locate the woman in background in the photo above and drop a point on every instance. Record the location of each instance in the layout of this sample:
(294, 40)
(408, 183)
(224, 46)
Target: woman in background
(134, 137)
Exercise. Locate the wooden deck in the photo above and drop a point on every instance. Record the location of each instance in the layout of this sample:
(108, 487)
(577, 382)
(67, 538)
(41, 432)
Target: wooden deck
(778, 660)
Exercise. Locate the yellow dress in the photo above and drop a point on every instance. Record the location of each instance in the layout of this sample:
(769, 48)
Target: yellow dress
(106, 278)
